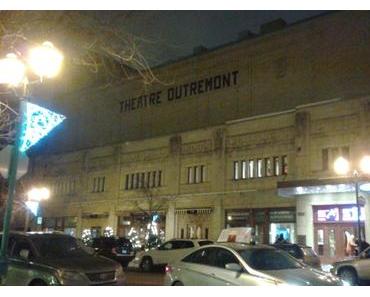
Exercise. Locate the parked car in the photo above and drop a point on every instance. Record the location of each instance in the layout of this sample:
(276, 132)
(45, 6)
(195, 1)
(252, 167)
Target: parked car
(57, 259)
(301, 252)
(354, 271)
(243, 264)
(118, 249)
(165, 253)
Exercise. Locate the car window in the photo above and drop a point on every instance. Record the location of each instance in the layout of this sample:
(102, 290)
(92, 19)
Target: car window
(269, 259)
(184, 244)
(307, 251)
(167, 246)
(224, 257)
(21, 244)
(204, 242)
(204, 257)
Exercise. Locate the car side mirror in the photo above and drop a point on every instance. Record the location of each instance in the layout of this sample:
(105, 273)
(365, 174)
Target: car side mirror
(234, 267)
(24, 254)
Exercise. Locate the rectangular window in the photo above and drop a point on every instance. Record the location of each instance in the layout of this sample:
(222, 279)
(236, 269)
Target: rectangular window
(154, 175)
(268, 167)
(197, 174)
(142, 180)
(102, 184)
(132, 181)
(148, 174)
(190, 175)
(236, 170)
(94, 184)
(127, 181)
(276, 166)
(259, 168)
(284, 162)
(137, 180)
(202, 174)
(251, 168)
(159, 178)
(244, 169)
(325, 159)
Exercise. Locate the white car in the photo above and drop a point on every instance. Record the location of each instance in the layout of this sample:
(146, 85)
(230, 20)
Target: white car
(168, 252)
(239, 264)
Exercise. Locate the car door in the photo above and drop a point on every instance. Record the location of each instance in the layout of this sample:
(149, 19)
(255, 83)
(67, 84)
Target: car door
(164, 253)
(363, 265)
(19, 268)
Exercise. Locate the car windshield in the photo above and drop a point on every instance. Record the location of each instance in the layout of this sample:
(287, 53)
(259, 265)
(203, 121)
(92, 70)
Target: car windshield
(269, 259)
(58, 246)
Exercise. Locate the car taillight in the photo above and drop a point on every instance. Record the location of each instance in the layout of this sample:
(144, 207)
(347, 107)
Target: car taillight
(168, 269)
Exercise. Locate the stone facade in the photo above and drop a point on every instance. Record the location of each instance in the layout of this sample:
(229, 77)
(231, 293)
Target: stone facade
(299, 92)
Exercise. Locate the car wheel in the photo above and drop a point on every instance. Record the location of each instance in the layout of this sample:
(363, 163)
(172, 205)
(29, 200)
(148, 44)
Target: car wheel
(147, 264)
(349, 275)
(178, 283)
(37, 282)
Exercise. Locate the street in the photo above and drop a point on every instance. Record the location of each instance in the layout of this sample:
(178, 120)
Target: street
(137, 278)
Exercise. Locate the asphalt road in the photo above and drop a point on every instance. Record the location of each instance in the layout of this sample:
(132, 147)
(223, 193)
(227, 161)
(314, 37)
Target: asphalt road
(137, 278)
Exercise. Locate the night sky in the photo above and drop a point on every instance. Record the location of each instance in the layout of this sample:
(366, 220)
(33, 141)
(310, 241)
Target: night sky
(169, 35)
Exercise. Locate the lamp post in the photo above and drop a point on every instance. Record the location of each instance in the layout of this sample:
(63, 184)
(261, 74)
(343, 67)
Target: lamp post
(44, 61)
(342, 167)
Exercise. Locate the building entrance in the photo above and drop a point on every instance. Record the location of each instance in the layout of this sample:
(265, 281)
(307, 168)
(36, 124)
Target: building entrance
(335, 232)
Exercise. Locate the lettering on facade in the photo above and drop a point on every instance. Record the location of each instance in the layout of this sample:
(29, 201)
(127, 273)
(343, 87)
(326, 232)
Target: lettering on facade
(175, 93)
(197, 147)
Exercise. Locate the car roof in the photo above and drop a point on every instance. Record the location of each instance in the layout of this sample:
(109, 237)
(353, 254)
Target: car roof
(38, 234)
(191, 239)
(291, 244)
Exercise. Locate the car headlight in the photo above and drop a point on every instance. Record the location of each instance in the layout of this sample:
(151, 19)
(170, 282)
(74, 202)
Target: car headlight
(70, 275)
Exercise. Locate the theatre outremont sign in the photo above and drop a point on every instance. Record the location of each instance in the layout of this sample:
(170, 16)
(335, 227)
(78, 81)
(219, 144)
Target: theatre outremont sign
(178, 92)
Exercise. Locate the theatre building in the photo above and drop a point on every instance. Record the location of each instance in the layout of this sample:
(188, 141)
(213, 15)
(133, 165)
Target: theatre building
(242, 135)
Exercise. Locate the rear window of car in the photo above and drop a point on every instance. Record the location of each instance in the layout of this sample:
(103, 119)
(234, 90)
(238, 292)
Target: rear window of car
(204, 242)
(307, 251)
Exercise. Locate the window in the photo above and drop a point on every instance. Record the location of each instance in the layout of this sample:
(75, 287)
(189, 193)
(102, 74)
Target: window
(137, 180)
(284, 162)
(204, 256)
(154, 175)
(276, 166)
(325, 159)
(98, 184)
(224, 257)
(190, 175)
(259, 168)
(148, 174)
(244, 169)
(196, 174)
(142, 180)
(159, 178)
(251, 169)
(268, 167)
(132, 180)
(127, 181)
(236, 170)
(202, 174)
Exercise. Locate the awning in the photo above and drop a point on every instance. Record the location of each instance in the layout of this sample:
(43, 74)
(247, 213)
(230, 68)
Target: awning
(321, 186)
(194, 211)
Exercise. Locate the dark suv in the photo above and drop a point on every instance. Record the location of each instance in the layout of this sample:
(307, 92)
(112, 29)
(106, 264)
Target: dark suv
(301, 252)
(118, 249)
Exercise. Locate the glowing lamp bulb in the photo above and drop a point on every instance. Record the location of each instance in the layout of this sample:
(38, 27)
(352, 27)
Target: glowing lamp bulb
(44, 193)
(341, 166)
(45, 60)
(365, 164)
(12, 70)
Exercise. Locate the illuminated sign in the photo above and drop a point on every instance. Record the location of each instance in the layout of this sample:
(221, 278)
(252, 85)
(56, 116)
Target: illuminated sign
(37, 123)
(350, 214)
(328, 215)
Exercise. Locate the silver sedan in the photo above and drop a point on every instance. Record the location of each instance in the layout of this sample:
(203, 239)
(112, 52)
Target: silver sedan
(244, 264)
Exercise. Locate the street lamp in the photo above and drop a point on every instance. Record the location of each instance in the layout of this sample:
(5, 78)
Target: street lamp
(44, 61)
(34, 197)
(342, 167)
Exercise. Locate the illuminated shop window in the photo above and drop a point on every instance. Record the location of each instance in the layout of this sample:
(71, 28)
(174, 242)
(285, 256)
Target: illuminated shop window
(328, 215)
(349, 214)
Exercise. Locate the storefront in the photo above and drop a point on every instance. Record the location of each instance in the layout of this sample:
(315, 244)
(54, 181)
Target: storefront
(193, 223)
(327, 215)
(67, 225)
(268, 223)
(139, 226)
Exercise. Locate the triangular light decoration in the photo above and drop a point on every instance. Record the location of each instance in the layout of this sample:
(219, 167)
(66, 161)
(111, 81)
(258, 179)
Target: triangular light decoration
(37, 123)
